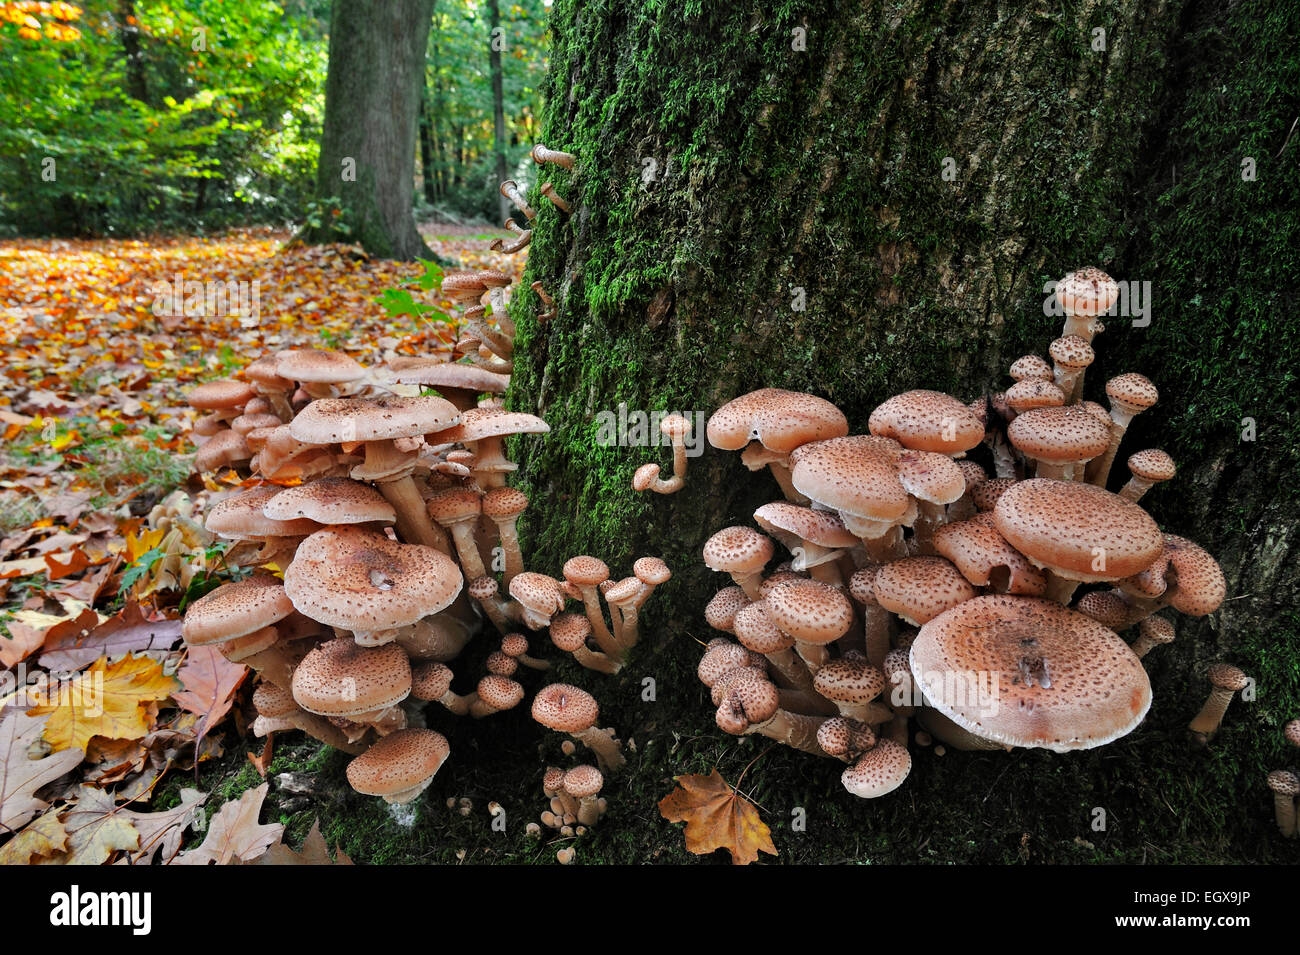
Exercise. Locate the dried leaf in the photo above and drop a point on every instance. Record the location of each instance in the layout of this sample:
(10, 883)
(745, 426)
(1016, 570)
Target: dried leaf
(108, 700)
(210, 682)
(234, 834)
(96, 830)
(314, 852)
(129, 631)
(21, 776)
(44, 837)
(717, 817)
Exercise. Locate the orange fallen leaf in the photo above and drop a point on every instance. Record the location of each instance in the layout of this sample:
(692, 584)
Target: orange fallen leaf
(110, 700)
(717, 817)
(263, 763)
(210, 682)
(77, 561)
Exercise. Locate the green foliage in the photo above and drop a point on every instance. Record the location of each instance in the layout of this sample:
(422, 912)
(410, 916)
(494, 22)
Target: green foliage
(225, 131)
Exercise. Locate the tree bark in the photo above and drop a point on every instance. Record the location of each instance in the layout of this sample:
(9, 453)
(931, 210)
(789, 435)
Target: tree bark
(129, 31)
(856, 199)
(372, 92)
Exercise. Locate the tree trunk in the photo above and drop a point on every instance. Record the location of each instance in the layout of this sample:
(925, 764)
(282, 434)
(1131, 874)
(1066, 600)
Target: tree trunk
(372, 92)
(427, 174)
(495, 44)
(859, 199)
(129, 31)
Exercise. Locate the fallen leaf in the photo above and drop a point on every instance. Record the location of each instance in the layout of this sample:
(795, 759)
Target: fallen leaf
(165, 830)
(234, 833)
(128, 631)
(717, 817)
(44, 837)
(96, 829)
(21, 776)
(210, 681)
(26, 641)
(263, 762)
(106, 700)
(314, 852)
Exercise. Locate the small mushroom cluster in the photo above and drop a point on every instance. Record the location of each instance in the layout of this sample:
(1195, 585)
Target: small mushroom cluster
(512, 191)
(1285, 785)
(925, 583)
(575, 803)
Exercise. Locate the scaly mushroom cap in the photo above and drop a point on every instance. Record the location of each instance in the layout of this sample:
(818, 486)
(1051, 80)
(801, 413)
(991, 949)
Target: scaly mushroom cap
(330, 500)
(569, 631)
(340, 678)
(318, 366)
(380, 418)
(247, 423)
(920, 588)
(849, 679)
(844, 738)
(1132, 393)
(756, 631)
(565, 708)
(503, 503)
(463, 282)
(359, 580)
(985, 494)
(1291, 732)
(1157, 629)
(273, 701)
(1031, 366)
(855, 475)
(1034, 393)
(1071, 351)
(748, 699)
(224, 449)
(454, 505)
(243, 516)
(430, 681)
(479, 423)
(930, 476)
(1087, 291)
(1284, 782)
(791, 524)
(927, 421)
(1074, 528)
(1059, 435)
(809, 610)
(720, 614)
(878, 771)
(500, 692)
(722, 657)
(399, 762)
(651, 571)
(586, 571)
(862, 585)
(442, 374)
(1152, 465)
(235, 610)
(538, 593)
(738, 550)
(1056, 679)
(583, 782)
(1107, 607)
(223, 395)
(779, 420)
(986, 559)
(1199, 584)
(1225, 676)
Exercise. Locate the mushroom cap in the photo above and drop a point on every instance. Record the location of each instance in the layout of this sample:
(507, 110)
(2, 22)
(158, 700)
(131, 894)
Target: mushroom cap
(537, 592)
(569, 631)
(273, 701)
(1034, 393)
(855, 475)
(1151, 465)
(720, 614)
(1027, 367)
(454, 505)
(1157, 629)
(399, 762)
(723, 657)
(235, 610)
(443, 374)
(651, 571)
(243, 516)
(920, 588)
(1067, 526)
(479, 423)
(1225, 676)
(330, 500)
(1284, 782)
(500, 692)
(972, 472)
(849, 680)
(756, 631)
(1055, 679)
(341, 678)
(878, 771)
(1199, 585)
(927, 421)
(862, 585)
(1107, 607)
(748, 698)
(1291, 732)
(223, 395)
(1087, 291)
(985, 558)
(504, 503)
(224, 449)
(358, 579)
(463, 282)
(378, 418)
(930, 476)
(791, 523)
(501, 663)
(738, 550)
(1059, 435)
(514, 644)
(625, 591)
(586, 571)
(1071, 351)
(430, 680)
(779, 420)
(583, 782)
(1132, 392)
(985, 494)
(844, 738)
(483, 588)
(565, 708)
(318, 366)
(809, 610)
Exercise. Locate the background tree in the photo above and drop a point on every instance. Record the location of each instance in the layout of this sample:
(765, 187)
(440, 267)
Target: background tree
(857, 199)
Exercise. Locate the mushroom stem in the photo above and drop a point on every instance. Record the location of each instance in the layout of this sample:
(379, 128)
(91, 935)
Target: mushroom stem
(1099, 467)
(1135, 488)
(792, 729)
(600, 662)
(1060, 589)
(876, 623)
(549, 192)
(509, 533)
(609, 755)
(462, 532)
(1205, 724)
(808, 704)
(791, 669)
(510, 189)
(610, 646)
(541, 154)
(782, 474)
(815, 655)
(930, 518)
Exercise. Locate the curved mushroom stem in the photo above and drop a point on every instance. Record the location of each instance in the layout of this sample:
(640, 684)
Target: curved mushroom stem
(510, 189)
(1205, 724)
(600, 662)
(457, 704)
(815, 655)
(549, 192)
(792, 729)
(1099, 467)
(930, 518)
(591, 602)
(540, 291)
(608, 752)
(462, 532)
(1136, 488)
(541, 154)
(791, 669)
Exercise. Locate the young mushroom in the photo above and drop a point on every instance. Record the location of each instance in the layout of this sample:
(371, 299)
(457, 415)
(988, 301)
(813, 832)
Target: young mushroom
(400, 766)
(1285, 786)
(510, 189)
(568, 709)
(541, 154)
(1225, 681)
(549, 192)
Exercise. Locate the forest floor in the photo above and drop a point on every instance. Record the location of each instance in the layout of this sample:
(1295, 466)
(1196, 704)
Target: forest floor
(93, 419)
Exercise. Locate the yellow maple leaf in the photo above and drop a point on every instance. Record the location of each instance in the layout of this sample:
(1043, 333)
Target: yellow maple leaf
(44, 837)
(109, 700)
(717, 817)
(147, 541)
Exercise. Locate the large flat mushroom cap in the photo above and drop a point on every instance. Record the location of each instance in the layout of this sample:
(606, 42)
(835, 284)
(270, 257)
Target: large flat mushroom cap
(341, 678)
(1049, 677)
(927, 421)
(330, 420)
(330, 500)
(222, 395)
(236, 610)
(1079, 531)
(399, 762)
(1063, 434)
(317, 366)
(359, 580)
(854, 475)
(780, 420)
(443, 374)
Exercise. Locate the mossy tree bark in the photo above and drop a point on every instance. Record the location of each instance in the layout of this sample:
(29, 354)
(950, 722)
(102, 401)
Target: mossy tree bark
(372, 99)
(858, 199)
